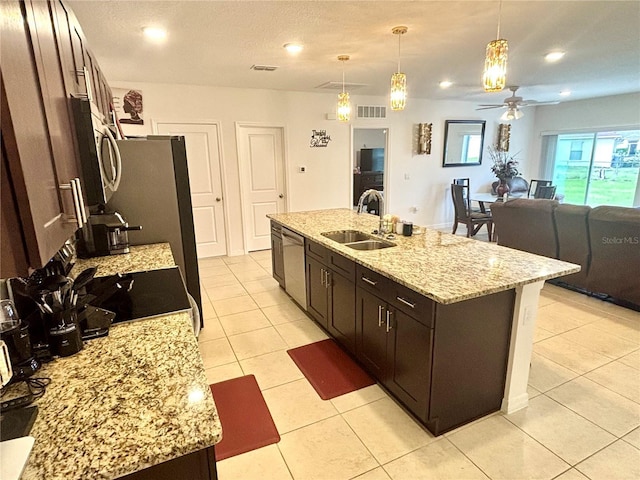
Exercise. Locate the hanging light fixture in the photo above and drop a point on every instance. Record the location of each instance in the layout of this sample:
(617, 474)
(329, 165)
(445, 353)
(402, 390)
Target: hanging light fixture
(344, 106)
(495, 62)
(398, 80)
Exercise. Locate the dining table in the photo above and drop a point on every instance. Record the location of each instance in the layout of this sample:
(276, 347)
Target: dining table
(484, 198)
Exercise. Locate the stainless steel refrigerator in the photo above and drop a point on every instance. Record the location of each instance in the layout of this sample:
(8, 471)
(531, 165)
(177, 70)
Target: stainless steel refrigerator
(154, 192)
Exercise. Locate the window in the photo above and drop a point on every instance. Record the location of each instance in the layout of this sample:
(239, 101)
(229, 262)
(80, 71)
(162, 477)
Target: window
(594, 168)
(576, 150)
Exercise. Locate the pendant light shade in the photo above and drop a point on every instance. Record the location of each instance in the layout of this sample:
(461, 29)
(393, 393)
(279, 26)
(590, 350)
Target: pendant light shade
(343, 110)
(398, 96)
(512, 114)
(495, 63)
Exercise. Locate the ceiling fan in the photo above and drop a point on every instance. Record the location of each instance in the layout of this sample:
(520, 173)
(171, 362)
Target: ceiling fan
(513, 105)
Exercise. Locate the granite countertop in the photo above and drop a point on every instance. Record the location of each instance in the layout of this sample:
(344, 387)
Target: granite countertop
(133, 399)
(444, 267)
(141, 257)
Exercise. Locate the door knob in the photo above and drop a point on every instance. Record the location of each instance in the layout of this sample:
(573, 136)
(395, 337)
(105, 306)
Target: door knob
(218, 199)
(281, 196)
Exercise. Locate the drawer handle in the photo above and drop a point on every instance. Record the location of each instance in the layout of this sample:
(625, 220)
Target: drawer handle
(370, 282)
(388, 321)
(77, 201)
(380, 309)
(406, 302)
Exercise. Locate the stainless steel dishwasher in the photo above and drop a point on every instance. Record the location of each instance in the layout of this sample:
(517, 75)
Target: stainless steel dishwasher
(294, 267)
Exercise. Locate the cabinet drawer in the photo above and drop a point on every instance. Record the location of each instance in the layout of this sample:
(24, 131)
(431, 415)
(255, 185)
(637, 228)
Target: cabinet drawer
(412, 303)
(342, 265)
(316, 250)
(372, 281)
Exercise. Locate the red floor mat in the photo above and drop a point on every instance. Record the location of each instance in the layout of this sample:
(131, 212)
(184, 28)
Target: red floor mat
(245, 418)
(329, 369)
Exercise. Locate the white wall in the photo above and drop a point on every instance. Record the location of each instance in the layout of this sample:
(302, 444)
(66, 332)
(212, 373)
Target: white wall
(413, 180)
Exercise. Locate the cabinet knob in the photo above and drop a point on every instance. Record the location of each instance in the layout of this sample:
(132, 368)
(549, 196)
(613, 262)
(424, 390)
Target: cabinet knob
(281, 196)
(218, 199)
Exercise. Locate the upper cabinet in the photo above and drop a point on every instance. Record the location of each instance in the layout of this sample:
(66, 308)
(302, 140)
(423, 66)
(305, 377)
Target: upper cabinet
(44, 60)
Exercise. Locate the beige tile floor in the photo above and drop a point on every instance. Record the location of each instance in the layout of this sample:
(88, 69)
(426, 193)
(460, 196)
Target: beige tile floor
(583, 419)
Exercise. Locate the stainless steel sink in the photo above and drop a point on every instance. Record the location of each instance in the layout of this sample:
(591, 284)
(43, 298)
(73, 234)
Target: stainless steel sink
(370, 245)
(358, 240)
(347, 236)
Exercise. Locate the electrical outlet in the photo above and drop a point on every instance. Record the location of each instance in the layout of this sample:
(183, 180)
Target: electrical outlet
(302, 169)
(407, 176)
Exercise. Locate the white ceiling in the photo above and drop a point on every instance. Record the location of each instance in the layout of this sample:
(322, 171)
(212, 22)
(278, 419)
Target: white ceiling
(216, 43)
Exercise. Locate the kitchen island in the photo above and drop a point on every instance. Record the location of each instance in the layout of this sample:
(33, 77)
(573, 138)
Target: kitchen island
(444, 322)
(128, 403)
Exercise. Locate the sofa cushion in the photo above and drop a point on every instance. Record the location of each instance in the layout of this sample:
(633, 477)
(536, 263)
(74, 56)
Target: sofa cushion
(615, 252)
(526, 224)
(573, 240)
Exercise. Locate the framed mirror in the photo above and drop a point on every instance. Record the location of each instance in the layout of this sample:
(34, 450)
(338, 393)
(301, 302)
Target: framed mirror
(463, 142)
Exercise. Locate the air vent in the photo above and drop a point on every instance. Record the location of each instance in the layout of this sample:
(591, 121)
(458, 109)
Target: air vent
(338, 86)
(264, 68)
(372, 111)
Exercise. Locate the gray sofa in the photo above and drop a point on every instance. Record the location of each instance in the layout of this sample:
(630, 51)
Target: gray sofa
(604, 241)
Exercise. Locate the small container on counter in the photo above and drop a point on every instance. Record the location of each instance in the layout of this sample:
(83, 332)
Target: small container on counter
(407, 229)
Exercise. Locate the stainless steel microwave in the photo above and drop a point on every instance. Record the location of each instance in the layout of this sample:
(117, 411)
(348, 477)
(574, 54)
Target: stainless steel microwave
(99, 155)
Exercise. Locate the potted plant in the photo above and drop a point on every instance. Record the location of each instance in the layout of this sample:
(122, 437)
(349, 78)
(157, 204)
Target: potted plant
(505, 166)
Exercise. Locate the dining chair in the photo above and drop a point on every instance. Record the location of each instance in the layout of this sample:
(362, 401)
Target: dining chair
(463, 214)
(465, 182)
(547, 191)
(534, 185)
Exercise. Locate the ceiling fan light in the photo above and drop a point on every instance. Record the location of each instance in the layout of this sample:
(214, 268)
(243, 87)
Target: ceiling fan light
(398, 94)
(343, 111)
(512, 114)
(495, 66)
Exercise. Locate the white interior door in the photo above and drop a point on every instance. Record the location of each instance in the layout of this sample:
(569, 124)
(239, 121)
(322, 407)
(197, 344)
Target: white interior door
(262, 181)
(205, 177)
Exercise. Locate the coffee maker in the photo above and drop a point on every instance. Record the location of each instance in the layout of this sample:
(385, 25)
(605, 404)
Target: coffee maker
(105, 234)
(15, 334)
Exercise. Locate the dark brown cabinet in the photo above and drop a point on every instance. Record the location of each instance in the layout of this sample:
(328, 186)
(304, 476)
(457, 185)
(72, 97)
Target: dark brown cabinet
(37, 142)
(445, 363)
(277, 259)
(331, 292)
(364, 181)
(395, 343)
(44, 56)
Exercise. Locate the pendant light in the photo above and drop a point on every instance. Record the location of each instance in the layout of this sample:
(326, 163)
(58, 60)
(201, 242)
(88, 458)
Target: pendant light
(495, 63)
(344, 106)
(398, 95)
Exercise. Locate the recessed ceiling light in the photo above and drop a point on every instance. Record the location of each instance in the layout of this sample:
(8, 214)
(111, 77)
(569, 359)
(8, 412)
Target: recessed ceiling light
(553, 56)
(565, 93)
(445, 84)
(155, 33)
(293, 48)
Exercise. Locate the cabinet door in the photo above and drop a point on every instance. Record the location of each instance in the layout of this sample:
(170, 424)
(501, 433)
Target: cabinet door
(317, 294)
(70, 46)
(409, 360)
(277, 260)
(27, 142)
(371, 343)
(56, 104)
(341, 319)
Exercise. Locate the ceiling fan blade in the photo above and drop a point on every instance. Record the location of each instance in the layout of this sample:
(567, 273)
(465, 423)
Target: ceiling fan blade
(491, 105)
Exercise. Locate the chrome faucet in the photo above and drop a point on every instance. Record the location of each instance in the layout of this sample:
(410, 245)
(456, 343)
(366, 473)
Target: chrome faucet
(378, 195)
